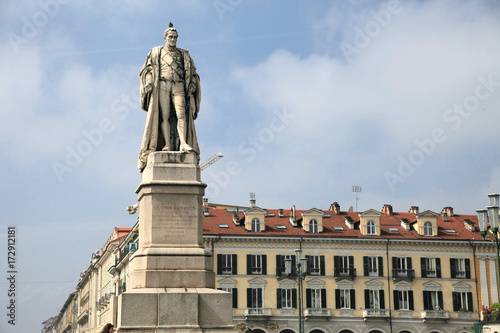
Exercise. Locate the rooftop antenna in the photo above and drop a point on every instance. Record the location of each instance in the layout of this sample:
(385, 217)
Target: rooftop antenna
(356, 189)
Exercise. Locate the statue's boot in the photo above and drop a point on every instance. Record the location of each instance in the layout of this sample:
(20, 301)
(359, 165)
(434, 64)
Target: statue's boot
(181, 128)
(165, 126)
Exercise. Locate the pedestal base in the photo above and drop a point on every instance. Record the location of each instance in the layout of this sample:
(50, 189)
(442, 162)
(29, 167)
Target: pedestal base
(155, 310)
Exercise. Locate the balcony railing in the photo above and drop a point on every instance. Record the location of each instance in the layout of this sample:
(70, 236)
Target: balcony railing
(280, 271)
(403, 274)
(433, 314)
(375, 313)
(315, 312)
(258, 312)
(344, 273)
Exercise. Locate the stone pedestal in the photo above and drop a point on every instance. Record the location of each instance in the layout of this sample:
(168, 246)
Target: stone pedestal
(171, 279)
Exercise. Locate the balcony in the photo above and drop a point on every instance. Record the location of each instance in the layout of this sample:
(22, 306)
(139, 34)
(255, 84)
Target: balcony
(258, 312)
(344, 273)
(403, 274)
(375, 313)
(432, 314)
(317, 312)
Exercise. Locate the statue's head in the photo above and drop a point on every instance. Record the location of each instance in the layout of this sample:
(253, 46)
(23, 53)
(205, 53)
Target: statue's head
(170, 31)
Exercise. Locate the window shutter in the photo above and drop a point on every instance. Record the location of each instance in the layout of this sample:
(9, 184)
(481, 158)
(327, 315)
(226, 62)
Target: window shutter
(294, 262)
(323, 298)
(427, 306)
(249, 264)
(380, 266)
(456, 300)
(467, 268)
(440, 299)
(280, 266)
(322, 265)
(470, 304)
(438, 270)
(365, 266)
(249, 297)
(351, 262)
(264, 264)
(353, 298)
(308, 298)
(235, 264)
(336, 263)
(308, 271)
(423, 268)
(452, 268)
(408, 263)
(410, 299)
(394, 263)
(278, 298)
(367, 299)
(294, 298)
(219, 264)
(382, 299)
(396, 299)
(337, 298)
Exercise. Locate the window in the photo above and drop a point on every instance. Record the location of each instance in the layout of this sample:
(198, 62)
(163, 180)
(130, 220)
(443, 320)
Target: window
(432, 299)
(403, 300)
(428, 229)
(280, 226)
(431, 267)
(460, 268)
(402, 268)
(234, 292)
(343, 266)
(344, 299)
(226, 264)
(254, 298)
(256, 264)
(316, 298)
(313, 227)
(370, 228)
(374, 299)
(222, 226)
(373, 266)
(286, 298)
(255, 225)
(280, 263)
(462, 301)
(316, 265)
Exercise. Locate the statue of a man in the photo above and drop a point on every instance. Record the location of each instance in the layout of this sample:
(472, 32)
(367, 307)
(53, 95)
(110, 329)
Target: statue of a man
(170, 92)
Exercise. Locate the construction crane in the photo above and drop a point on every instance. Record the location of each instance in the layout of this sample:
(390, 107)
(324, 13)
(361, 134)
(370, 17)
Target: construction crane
(133, 209)
(210, 161)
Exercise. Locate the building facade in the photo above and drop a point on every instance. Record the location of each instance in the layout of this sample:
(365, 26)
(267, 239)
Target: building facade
(366, 272)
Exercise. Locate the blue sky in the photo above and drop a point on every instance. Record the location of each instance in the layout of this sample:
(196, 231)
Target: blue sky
(303, 98)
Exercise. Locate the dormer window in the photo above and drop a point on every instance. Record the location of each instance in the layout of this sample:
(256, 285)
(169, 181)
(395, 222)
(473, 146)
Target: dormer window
(255, 225)
(370, 228)
(312, 221)
(428, 229)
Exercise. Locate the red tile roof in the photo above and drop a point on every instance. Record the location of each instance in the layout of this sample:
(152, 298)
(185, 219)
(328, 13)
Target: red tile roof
(456, 222)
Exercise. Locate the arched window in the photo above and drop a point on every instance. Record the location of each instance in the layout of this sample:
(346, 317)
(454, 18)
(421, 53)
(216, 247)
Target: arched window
(255, 225)
(370, 228)
(313, 227)
(428, 229)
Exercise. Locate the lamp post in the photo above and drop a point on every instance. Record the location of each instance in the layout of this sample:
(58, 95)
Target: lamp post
(301, 264)
(491, 214)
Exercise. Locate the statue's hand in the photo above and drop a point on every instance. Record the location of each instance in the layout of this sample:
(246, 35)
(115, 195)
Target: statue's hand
(148, 87)
(192, 88)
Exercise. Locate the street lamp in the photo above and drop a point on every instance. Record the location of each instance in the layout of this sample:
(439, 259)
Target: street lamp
(300, 276)
(491, 214)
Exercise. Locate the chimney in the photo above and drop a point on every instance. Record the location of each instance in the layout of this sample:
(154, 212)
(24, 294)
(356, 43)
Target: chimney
(349, 222)
(335, 207)
(414, 210)
(405, 223)
(280, 212)
(205, 211)
(236, 218)
(205, 202)
(449, 211)
(387, 209)
(293, 220)
(252, 199)
(445, 216)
